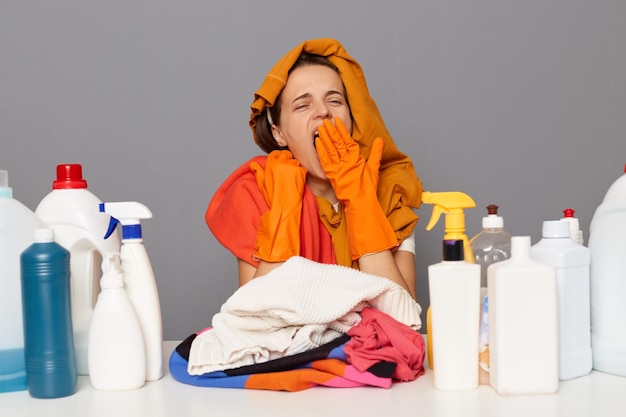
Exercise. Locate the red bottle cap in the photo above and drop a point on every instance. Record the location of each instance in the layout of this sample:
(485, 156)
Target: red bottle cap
(69, 176)
(568, 212)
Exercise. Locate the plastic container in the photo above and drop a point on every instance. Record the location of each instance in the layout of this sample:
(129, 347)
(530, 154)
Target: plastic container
(492, 244)
(607, 243)
(571, 263)
(454, 302)
(17, 227)
(139, 279)
(72, 211)
(116, 354)
(574, 226)
(523, 326)
(48, 345)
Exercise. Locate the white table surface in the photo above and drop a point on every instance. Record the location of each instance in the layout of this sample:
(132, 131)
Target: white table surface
(594, 395)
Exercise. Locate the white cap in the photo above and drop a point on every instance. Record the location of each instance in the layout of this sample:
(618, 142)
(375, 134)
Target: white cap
(493, 221)
(555, 229)
(520, 246)
(44, 235)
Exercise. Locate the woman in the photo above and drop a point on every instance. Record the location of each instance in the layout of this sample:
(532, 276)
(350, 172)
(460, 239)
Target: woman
(334, 188)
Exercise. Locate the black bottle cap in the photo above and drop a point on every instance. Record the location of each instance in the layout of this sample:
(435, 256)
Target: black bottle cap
(453, 250)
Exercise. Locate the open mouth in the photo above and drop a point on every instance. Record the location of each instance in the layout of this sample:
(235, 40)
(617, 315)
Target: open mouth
(315, 136)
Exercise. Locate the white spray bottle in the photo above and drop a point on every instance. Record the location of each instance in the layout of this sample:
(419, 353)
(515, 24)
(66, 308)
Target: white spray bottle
(139, 279)
(116, 352)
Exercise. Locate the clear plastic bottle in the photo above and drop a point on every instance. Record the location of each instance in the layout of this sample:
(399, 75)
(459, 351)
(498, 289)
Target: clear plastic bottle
(571, 263)
(492, 244)
(523, 324)
(72, 211)
(17, 227)
(607, 243)
(48, 345)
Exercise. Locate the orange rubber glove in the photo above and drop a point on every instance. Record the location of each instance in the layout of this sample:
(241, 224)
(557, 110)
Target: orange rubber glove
(355, 181)
(282, 184)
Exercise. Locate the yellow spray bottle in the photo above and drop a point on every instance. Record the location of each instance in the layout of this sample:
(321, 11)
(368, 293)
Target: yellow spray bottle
(452, 204)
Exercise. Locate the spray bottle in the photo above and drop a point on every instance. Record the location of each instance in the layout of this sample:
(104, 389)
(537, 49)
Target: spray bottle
(139, 279)
(116, 352)
(454, 286)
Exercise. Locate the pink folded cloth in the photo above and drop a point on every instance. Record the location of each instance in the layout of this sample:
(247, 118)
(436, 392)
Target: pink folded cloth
(379, 337)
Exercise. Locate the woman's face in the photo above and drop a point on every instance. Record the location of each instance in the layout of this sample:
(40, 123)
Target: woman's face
(312, 93)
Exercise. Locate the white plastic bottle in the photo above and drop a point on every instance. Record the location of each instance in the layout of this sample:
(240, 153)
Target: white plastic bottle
(71, 210)
(571, 262)
(116, 352)
(455, 304)
(492, 244)
(139, 279)
(17, 228)
(607, 243)
(523, 326)
(574, 226)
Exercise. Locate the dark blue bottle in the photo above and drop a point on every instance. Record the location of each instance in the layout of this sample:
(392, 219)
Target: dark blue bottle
(48, 343)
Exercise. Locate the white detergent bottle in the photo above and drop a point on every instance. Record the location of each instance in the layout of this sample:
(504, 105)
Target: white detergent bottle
(523, 326)
(139, 279)
(71, 210)
(116, 353)
(571, 263)
(454, 312)
(17, 229)
(574, 226)
(607, 243)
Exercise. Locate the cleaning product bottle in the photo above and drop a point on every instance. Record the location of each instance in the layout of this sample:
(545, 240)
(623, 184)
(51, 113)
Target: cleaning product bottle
(574, 226)
(17, 227)
(71, 210)
(48, 344)
(454, 286)
(455, 302)
(139, 279)
(523, 323)
(607, 244)
(116, 353)
(452, 203)
(571, 262)
(491, 244)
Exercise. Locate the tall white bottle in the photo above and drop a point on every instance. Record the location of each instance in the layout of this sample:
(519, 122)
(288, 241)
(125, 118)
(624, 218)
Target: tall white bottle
(607, 243)
(116, 353)
(571, 262)
(139, 279)
(523, 327)
(454, 310)
(71, 210)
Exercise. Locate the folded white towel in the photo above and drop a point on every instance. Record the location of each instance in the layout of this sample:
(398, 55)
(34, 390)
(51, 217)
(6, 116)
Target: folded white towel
(296, 307)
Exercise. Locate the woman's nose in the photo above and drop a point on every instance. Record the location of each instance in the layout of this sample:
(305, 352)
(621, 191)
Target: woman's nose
(322, 111)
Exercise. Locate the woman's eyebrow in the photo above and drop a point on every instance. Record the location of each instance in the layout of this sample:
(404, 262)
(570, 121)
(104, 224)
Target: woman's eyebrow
(300, 97)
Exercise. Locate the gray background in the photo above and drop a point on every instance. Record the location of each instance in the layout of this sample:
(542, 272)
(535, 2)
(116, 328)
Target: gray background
(517, 103)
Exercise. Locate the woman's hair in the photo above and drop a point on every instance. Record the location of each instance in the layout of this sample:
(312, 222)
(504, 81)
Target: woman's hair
(263, 129)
